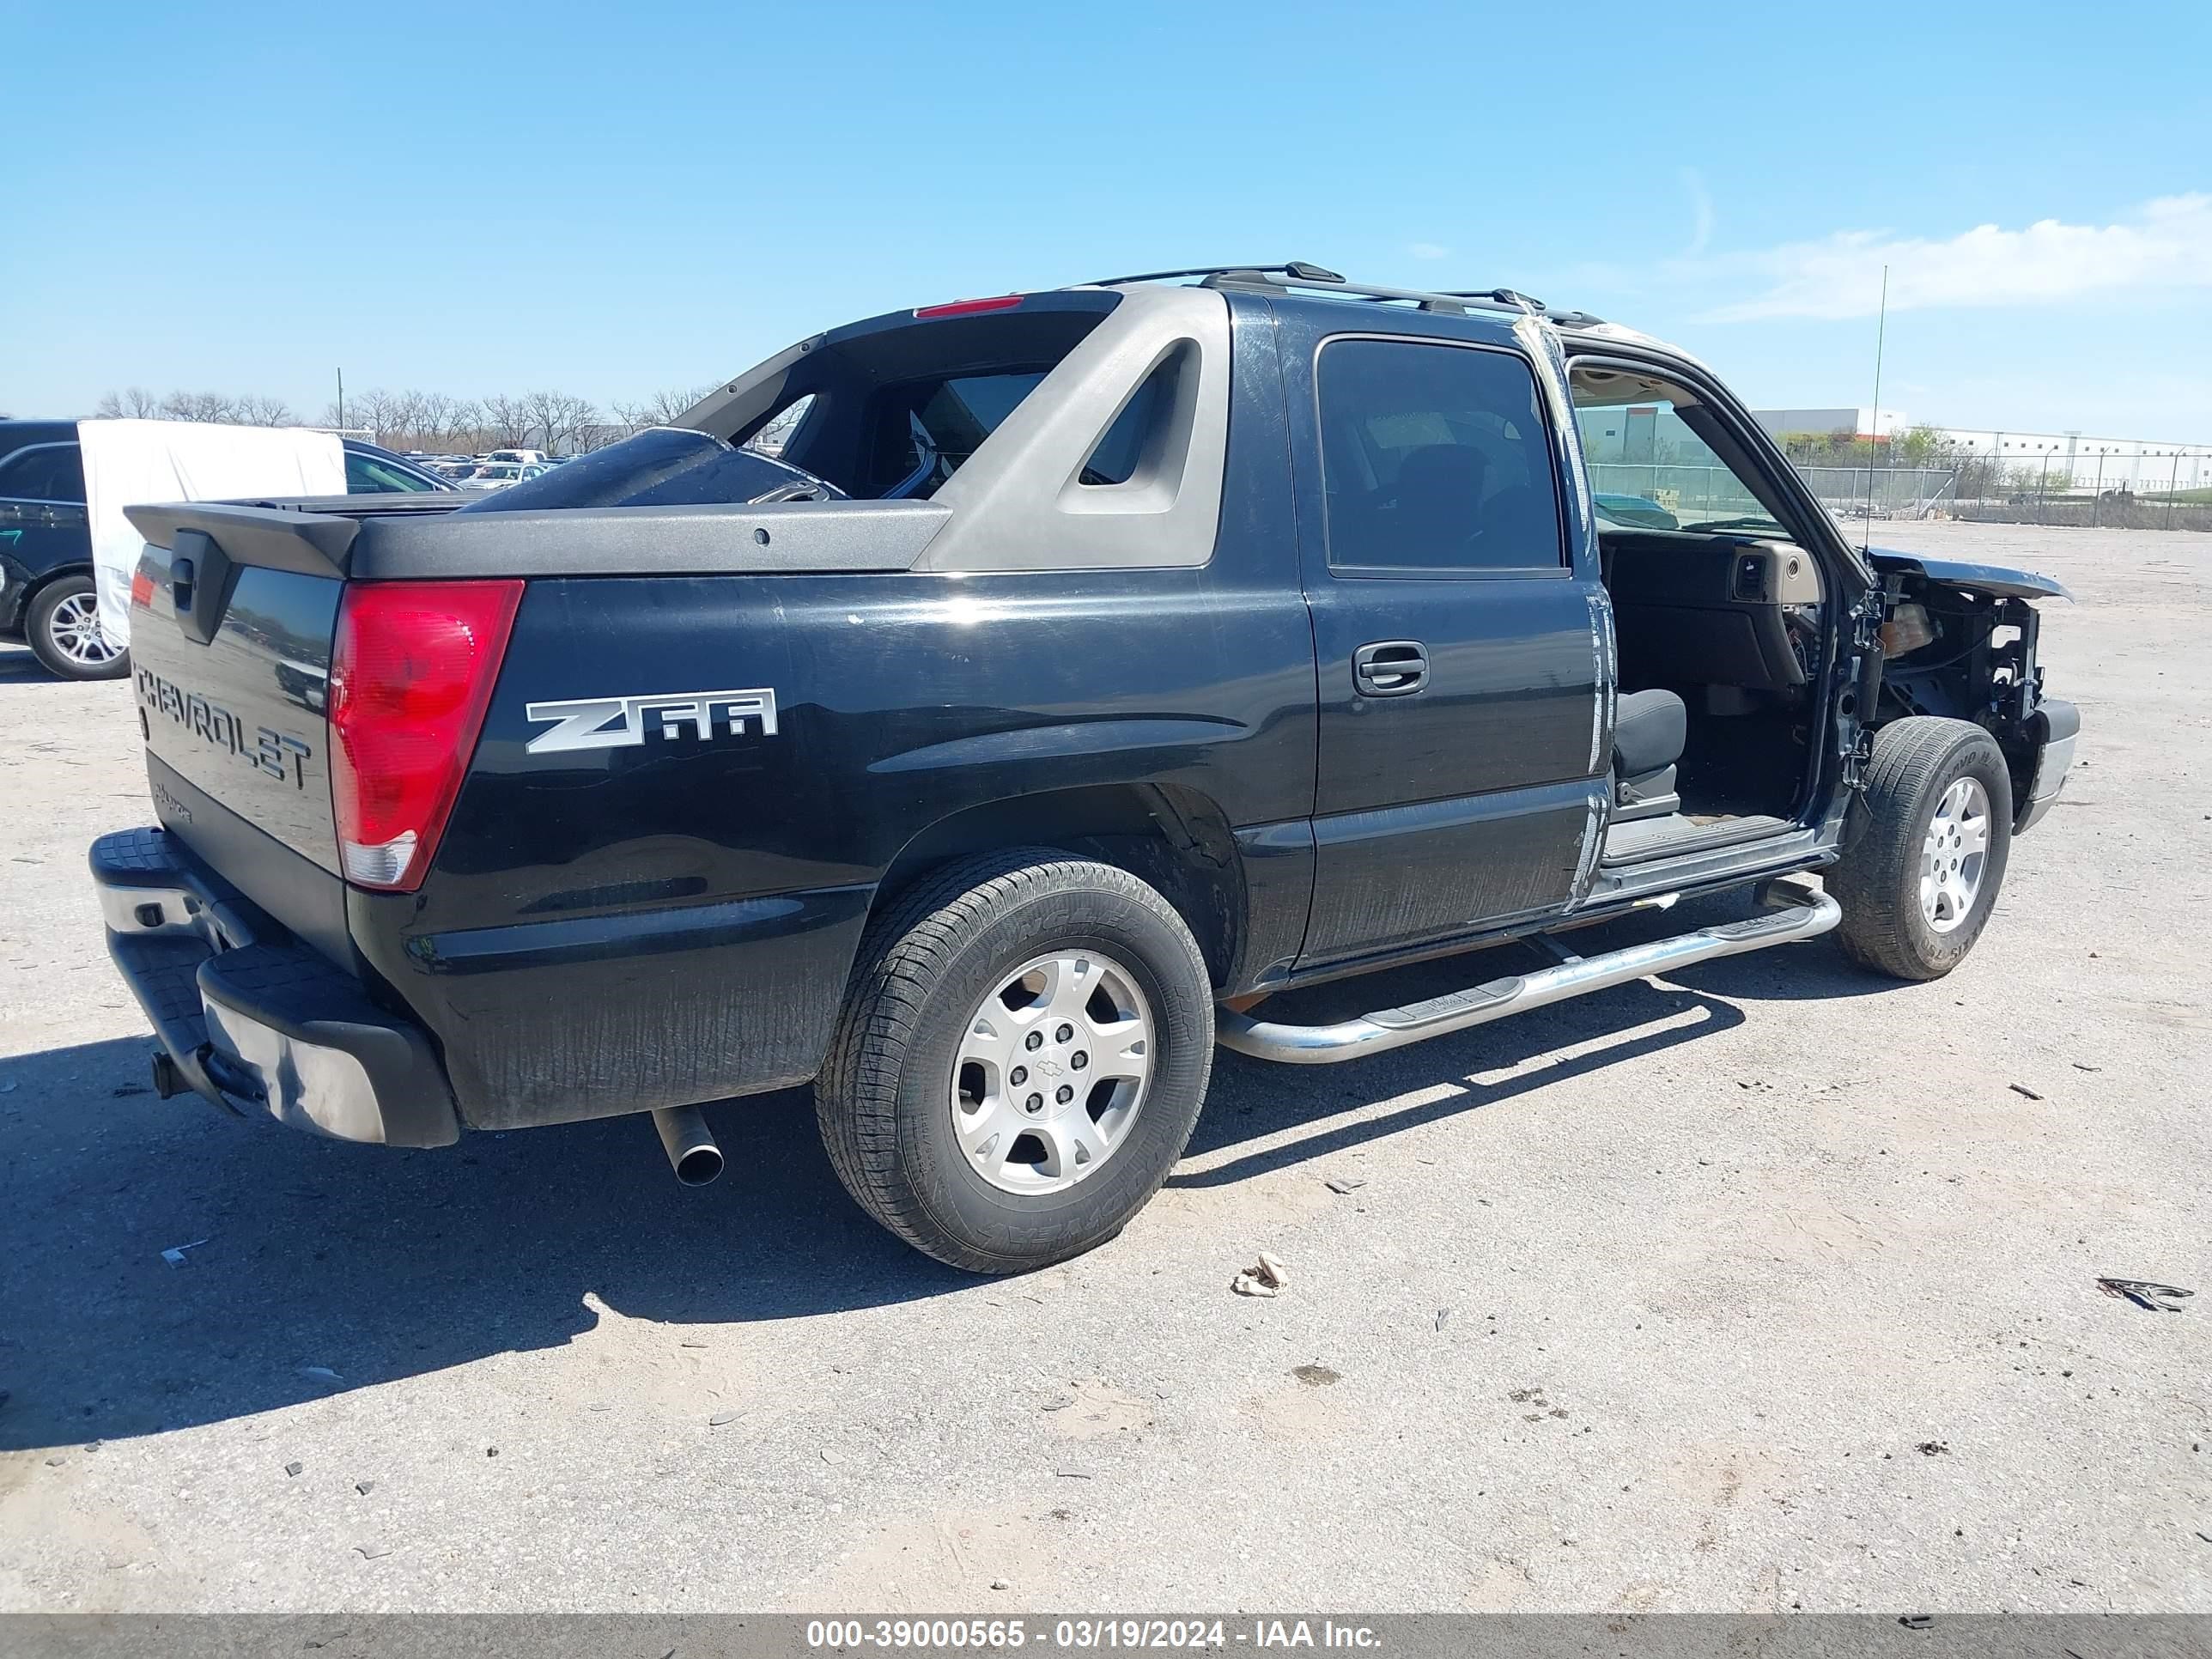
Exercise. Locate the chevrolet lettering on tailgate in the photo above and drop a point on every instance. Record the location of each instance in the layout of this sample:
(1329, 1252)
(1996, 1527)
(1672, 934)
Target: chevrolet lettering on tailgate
(279, 754)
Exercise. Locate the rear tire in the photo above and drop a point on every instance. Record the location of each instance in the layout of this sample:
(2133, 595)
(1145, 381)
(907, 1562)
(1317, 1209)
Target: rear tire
(62, 627)
(1925, 849)
(1018, 961)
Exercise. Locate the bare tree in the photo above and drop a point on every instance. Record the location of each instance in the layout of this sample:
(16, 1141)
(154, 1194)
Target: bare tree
(506, 421)
(198, 406)
(559, 422)
(383, 415)
(433, 419)
(559, 419)
(254, 409)
(132, 403)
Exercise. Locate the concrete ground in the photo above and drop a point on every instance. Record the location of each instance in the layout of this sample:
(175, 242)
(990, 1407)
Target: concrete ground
(1767, 1286)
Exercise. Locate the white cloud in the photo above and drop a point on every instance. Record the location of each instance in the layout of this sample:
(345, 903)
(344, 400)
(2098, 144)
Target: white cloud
(2168, 244)
(1428, 251)
(1701, 212)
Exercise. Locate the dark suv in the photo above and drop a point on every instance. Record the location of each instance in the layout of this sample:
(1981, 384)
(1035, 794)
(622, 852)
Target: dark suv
(46, 595)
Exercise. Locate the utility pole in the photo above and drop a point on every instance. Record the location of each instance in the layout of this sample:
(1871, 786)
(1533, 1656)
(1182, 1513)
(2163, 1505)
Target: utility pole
(342, 400)
(1874, 422)
(2172, 486)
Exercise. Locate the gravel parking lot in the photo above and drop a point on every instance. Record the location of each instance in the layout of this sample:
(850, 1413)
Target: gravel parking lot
(1767, 1286)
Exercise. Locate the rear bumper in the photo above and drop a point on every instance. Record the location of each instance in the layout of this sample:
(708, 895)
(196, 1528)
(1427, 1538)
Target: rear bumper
(253, 1019)
(2054, 725)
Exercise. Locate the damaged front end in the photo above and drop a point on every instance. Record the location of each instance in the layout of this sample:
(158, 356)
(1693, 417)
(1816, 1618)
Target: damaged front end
(1958, 640)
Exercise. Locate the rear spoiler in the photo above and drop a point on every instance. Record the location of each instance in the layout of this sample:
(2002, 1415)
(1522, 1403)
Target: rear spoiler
(270, 537)
(423, 543)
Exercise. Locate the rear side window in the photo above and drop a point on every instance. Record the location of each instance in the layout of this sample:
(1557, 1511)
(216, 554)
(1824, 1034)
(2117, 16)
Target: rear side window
(1434, 458)
(44, 472)
(930, 429)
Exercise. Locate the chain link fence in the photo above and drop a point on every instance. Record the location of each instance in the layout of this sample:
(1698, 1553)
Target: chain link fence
(1987, 489)
(2140, 489)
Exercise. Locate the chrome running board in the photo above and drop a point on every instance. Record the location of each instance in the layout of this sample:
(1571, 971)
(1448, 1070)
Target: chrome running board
(1797, 913)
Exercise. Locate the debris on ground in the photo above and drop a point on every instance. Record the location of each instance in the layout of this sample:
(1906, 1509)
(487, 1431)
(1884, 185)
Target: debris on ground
(1931, 1447)
(370, 1552)
(1316, 1376)
(1342, 1185)
(1443, 1315)
(721, 1418)
(364, 1487)
(2022, 1089)
(2153, 1298)
(174, 1256)
(2084, 1066)
(1001, 1584)
(1072, 1473)
(294, 1468)
(1915, 1621)
(1060, 1405)
(1267, 1279)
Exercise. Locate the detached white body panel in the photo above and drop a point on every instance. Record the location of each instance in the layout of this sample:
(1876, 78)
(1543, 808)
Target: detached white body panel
(144, 463)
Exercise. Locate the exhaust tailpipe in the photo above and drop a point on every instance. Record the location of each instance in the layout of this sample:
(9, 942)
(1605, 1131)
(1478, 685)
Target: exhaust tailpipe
(690, 1146)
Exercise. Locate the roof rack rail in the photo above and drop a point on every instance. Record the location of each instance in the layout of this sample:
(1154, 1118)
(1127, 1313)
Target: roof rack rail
(1298, 274)
(1567, 318)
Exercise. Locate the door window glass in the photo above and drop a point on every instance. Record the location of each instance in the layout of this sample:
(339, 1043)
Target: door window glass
(45, 472)
(1645, 443)
(1434, 458)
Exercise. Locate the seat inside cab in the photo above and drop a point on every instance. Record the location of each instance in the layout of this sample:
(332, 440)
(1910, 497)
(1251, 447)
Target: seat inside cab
(1717, 618)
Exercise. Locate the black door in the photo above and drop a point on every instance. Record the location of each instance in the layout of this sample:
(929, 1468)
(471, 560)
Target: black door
(1461, 632)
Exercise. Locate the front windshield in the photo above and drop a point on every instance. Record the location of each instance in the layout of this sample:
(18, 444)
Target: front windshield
(1644, 453)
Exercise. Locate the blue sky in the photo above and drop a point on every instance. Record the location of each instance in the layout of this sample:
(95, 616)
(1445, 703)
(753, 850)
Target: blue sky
(609, 199)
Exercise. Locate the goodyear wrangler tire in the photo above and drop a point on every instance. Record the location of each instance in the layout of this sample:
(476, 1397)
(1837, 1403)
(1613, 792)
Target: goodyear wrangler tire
(1020, 1060)
(1926, 848)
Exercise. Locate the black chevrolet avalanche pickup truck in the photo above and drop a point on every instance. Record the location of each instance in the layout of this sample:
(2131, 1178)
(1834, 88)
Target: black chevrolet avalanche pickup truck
(1087, 666)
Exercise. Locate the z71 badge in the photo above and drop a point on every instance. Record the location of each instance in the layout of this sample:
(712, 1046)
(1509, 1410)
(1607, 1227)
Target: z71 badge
(621, 722)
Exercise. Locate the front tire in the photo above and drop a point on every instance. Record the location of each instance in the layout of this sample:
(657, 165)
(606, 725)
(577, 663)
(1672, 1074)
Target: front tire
(1020, 1060)
(62, 627)
(1926, 848)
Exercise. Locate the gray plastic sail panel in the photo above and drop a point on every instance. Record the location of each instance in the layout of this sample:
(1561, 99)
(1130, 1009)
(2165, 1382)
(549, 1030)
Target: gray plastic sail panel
(1019, 503)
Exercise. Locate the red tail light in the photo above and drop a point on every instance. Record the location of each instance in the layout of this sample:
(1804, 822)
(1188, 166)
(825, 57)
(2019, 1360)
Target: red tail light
(141, 589)
(411, 673)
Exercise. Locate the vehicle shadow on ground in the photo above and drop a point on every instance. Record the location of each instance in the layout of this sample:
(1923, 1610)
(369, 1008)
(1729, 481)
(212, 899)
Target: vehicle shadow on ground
(19, 667)
(315, 1267)
(369, 1262)
(1629, 1022)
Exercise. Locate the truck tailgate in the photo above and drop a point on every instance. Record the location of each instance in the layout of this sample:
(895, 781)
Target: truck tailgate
(233, 615)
